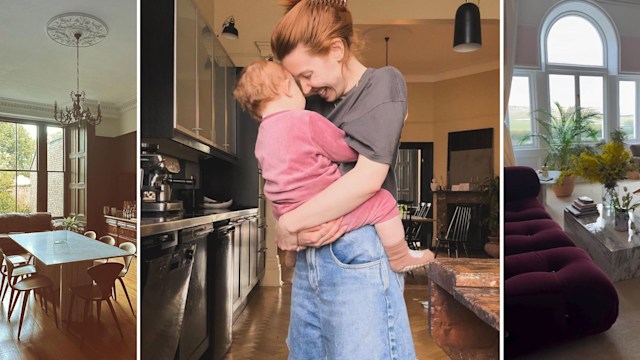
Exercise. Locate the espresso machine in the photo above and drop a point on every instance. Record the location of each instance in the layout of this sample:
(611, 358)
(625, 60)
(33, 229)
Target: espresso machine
(157, 178)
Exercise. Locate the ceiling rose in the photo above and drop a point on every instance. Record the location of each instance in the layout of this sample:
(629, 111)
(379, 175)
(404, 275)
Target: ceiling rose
(62, 29)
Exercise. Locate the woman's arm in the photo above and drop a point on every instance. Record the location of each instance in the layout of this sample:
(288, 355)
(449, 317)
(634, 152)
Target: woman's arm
(340, 198)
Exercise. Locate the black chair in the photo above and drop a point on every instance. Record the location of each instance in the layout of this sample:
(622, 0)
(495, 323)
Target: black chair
(457, 231)
(412, 229)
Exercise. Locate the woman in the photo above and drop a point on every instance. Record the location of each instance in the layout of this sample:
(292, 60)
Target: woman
(346, 301)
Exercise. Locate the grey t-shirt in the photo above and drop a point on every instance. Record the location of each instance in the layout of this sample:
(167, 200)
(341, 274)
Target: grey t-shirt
(372, 115)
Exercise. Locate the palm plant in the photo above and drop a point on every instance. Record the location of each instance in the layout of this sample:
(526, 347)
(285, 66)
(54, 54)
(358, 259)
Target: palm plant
(491, 195)
(563, 132)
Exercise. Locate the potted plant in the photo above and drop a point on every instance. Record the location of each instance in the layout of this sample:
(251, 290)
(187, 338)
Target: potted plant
(622, 207)
(71, 223)
(491, 196)
(563, 131)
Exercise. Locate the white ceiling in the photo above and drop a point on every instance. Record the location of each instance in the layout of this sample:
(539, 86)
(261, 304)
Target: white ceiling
(35, 68)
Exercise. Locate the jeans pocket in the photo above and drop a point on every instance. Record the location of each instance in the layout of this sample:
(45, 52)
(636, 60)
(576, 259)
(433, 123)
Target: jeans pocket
(358, 249)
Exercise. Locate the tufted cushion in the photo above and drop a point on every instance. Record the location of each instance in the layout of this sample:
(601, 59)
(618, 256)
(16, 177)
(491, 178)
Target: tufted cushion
(529, 227)
(16, 222)
(520, 182)
(541, 240)
(39, 222)
(552, 296)
(524, 209)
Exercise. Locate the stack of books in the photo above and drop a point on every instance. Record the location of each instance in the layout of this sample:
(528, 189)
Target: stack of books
(583, 206)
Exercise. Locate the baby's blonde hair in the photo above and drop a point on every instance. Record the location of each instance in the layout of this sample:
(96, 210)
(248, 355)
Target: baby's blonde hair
(258, 85)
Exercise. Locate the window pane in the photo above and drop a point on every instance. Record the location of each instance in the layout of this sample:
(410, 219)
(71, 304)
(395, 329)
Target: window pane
(520, 109)
(55, 194)
(628, 108)
(27, 147)
(55, 149)
(7, 146)
(592, 98)
(7, 191)
(574, 40)
(26, 186)
(562, 89)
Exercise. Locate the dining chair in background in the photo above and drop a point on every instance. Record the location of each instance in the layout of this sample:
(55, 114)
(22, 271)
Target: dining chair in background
(104, 277)
(457, 231)
(131, 249)
(109, 240)
(25, 285)
(91, 234)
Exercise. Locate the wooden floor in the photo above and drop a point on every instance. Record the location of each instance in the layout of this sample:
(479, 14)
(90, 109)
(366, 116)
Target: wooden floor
(261, 330)
(40, 339)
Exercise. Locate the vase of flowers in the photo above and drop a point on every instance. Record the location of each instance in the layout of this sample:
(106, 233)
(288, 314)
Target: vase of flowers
(622, 207)
(607, 164)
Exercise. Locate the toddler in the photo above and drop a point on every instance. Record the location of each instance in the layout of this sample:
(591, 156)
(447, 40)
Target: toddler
(298, 152)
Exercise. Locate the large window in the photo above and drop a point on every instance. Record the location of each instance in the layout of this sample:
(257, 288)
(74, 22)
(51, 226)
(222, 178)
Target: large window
(584, 92)
(627, 107)
(574, 40)
(520, 115)
(20, 168)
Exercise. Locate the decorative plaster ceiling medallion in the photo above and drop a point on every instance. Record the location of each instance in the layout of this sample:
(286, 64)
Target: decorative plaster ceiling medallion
(63, 27)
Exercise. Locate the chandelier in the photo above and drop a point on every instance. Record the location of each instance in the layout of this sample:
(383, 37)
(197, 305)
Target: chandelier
(64, 29)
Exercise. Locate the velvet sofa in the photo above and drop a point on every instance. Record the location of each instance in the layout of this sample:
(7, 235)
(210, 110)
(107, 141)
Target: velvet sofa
(21, 223)
(553, 291)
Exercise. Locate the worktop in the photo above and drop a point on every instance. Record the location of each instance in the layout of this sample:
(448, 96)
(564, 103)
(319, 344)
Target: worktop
(157, 225)
(464, 307)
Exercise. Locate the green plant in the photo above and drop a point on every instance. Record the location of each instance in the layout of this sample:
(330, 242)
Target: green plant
(71, 223)
(491, 196)
(563, 131)
(625, 203)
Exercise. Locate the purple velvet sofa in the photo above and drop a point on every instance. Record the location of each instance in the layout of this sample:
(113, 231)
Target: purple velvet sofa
(553, 291)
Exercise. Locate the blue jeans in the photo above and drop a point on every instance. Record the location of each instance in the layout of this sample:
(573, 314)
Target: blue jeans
(347, 303)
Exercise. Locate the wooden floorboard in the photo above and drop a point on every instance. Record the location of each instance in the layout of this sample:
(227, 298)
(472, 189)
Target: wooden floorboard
(261, 330)
(40, 339)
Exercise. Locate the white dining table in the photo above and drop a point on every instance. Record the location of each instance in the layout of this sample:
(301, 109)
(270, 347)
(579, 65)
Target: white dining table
(64, 256)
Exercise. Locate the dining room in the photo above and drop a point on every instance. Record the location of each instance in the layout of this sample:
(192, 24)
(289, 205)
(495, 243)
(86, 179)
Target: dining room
(68, 173)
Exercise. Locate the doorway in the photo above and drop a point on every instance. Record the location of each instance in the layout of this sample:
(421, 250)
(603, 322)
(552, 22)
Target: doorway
(414, 171)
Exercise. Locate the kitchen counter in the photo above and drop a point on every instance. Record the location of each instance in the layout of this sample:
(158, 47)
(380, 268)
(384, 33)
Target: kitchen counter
(156, 225)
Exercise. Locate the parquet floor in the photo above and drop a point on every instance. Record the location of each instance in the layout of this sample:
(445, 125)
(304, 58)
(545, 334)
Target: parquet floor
(261, 330)
(40, 339)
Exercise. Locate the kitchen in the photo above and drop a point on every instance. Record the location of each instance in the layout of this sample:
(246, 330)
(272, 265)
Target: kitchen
(198, 155)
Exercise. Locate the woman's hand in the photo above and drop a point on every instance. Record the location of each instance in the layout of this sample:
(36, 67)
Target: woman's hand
(316, 236)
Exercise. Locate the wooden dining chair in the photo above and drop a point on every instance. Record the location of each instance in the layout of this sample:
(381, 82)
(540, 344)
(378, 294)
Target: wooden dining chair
(457, 232)
(109, 240)
(413, 230)
(131, 249)
(34, 282)
(91, 234)
(18, 261)
(104, 277)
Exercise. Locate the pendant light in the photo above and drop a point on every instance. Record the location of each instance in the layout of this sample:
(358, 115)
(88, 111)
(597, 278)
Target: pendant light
(467, 30)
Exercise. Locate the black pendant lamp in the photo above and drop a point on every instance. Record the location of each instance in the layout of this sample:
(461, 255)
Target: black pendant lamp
(229, 28)
(466, 34)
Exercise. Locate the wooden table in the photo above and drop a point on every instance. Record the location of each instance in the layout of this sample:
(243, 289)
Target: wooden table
(464, 307)
(64, 256)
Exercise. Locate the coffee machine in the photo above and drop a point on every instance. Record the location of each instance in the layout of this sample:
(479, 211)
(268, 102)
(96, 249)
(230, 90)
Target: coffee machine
(157, 178)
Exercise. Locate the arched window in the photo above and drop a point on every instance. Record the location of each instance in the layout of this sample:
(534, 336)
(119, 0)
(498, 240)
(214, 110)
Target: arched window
(573, 40)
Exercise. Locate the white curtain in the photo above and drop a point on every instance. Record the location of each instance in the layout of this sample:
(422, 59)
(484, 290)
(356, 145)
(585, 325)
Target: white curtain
(510, 35)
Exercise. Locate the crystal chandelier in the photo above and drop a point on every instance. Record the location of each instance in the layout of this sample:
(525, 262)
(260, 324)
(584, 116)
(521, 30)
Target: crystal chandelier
(64, 29)
(78, 113)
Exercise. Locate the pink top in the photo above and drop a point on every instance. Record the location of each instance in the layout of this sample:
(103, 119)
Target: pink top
(298, 152)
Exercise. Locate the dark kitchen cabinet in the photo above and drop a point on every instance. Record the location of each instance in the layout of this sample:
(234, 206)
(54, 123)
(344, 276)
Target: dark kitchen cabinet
(186, 79)
(248, 267)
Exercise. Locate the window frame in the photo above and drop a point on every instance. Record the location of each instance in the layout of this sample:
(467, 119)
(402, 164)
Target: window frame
(592, 22)
(41, 161)
(535, 142)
